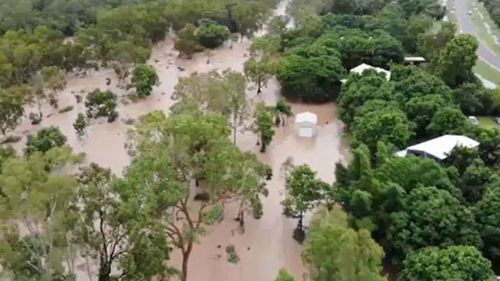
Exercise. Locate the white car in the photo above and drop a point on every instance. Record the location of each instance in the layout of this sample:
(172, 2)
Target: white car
(469, 12)
(473, 120)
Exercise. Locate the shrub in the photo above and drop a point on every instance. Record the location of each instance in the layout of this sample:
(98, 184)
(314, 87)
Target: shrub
(212, 35)
(101, 104)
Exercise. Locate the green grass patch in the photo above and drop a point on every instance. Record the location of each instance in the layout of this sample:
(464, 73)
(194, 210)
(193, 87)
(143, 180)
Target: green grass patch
(487, 122)
(487, 72)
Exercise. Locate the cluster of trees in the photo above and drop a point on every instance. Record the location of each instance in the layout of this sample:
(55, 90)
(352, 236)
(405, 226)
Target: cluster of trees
(122, 35)
(101, 104)
(124, 226)
(412, 203)
(64, 16)
(336, 251)
(122, 30)
(327, 42)
(413, 105)
(331, 37)
(35, 50)
(192, 39)
(367, 7)
(493, 7)
(433, 220)
(202, 25)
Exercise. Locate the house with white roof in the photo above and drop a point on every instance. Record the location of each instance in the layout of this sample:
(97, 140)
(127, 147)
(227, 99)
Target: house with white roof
(306, 123)
(439, 148)
(363, 67)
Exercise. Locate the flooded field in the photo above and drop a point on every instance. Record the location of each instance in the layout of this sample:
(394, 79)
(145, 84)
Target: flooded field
(267, 244)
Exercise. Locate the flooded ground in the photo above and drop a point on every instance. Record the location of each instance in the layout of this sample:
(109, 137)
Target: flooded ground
(267, 244)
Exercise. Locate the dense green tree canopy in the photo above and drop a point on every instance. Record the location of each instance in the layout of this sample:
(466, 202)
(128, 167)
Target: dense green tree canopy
(450, 263)
(489, 146)
(212, 35)
(408, 203)
(457, 59)
(144, 77)
(474, 99)
(358, 90)
(428, 7)
(488, 221)
(45, 140)
(311, 73)
(411, 82)
(431, 217)
(357, 46)
(448, 120)
(420, 111)
(337, 252)
(386, 125)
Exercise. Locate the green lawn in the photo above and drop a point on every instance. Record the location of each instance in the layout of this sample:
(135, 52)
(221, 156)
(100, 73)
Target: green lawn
(487, 122)
(487, 72)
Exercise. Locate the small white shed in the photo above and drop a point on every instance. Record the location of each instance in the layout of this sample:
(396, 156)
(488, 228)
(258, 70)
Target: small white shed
(363, 67)
(306, 123)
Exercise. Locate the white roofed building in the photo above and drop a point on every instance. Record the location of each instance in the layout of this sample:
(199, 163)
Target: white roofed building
(438, 148)
(363, 67)
(306, 123)
(414, 59)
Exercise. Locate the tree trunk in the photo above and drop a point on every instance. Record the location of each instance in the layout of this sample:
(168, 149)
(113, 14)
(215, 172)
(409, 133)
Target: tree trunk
(185, 259)
(242, 218)
(104, 272)
(259, 85)
(235, 127)
(299, 223)
(241, 214)
(40, 114)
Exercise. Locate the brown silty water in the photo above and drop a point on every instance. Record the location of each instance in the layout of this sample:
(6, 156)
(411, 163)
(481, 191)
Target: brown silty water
(266, 245)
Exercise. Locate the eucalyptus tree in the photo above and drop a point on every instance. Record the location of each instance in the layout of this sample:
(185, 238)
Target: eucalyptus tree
(176, 152)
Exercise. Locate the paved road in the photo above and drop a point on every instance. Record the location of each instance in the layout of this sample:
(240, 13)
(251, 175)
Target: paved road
(466, 25)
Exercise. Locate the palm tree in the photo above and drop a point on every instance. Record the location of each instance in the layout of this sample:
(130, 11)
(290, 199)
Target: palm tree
(281, 111)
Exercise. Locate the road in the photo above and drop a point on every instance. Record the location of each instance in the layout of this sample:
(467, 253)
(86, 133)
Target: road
(466, 25)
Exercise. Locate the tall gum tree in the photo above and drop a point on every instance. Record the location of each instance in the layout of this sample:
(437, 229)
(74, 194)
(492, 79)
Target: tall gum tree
(177, 152)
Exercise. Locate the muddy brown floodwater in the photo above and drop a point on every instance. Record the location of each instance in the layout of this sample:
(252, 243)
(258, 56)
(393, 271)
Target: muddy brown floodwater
(267, 245)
